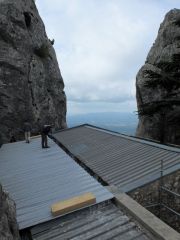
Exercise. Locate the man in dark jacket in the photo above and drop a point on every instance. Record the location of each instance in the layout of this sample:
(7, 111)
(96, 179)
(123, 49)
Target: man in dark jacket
(44, 133)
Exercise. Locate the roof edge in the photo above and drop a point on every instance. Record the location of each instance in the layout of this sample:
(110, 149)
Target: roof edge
(133, 138)
(150, 142)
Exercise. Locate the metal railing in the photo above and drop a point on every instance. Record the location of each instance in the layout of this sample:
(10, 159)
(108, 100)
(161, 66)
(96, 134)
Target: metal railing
(162, 189)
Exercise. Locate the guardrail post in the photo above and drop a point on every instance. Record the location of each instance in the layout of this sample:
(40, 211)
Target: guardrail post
(160, 189)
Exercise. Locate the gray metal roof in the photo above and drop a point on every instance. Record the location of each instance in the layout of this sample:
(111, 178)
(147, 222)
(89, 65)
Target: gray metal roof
(36, 178)
(124, 161)
(100, 222)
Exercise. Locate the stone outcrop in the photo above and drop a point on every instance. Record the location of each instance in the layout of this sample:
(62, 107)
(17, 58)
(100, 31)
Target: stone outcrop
(8, 224)
(31, 86)
(158, 85)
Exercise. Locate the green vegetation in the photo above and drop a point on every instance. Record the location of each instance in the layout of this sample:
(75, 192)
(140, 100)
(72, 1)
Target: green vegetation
(42, 51)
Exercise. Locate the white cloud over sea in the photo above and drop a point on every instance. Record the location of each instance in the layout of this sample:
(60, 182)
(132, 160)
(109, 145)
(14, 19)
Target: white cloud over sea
(100, 46)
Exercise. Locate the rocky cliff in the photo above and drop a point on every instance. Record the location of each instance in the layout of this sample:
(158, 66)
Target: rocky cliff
(8, 224)
(31, 86)
(158, 85)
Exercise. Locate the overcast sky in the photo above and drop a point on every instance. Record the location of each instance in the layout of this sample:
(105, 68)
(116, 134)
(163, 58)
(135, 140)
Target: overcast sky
(100, 46)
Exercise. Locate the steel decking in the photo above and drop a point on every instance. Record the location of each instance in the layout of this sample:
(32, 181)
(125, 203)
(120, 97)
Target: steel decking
(36, 178)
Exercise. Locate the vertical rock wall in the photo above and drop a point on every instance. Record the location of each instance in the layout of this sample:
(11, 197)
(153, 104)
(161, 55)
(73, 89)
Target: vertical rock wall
(8, 224)
(31, 86)
(158, 85)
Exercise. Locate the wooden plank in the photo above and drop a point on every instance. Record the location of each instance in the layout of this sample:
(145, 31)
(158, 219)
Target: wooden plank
(71, 204)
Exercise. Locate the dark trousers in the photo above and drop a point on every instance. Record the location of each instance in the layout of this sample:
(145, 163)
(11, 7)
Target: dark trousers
(44, 140)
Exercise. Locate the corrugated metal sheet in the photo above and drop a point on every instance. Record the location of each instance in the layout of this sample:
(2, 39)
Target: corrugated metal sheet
(36, 178)
(98, 223)
(121, 160)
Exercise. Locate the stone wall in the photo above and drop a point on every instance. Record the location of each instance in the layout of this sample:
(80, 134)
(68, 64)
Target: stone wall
(8, 223)
(150, 195)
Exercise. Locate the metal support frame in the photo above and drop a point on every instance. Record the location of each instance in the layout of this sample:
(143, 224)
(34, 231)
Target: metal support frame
(162, 189)
(171, 210)
(169, 191)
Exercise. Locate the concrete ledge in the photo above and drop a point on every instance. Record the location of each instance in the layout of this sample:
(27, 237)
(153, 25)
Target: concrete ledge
(158, 228)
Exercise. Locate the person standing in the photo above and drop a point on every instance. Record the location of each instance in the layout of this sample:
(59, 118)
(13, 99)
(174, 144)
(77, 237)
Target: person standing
(44, 133)
(27, 131)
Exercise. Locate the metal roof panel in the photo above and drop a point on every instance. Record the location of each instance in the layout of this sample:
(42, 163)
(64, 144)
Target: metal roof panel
(36, 178)
(103, 221)
(121, 160)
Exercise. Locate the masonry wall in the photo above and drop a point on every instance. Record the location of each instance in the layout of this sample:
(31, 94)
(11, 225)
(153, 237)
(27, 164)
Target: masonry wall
(150, 194)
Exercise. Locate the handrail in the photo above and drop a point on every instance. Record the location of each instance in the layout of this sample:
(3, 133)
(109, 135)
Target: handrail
(173, 193)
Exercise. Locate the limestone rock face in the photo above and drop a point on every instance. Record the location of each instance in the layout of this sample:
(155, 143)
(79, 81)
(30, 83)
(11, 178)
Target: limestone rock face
(158, 85)
(8, 224)
(31, 86)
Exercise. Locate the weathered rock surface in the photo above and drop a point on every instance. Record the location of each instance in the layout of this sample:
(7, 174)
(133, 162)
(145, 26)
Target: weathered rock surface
(158, 85)
(31, 86)
(8, 224)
